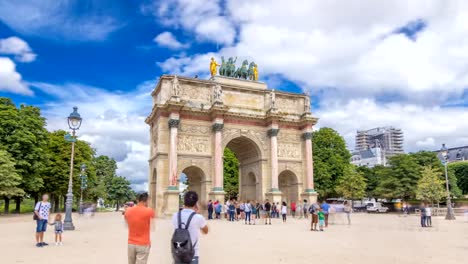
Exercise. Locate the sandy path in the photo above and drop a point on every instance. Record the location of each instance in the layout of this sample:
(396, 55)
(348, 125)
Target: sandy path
(371, 239)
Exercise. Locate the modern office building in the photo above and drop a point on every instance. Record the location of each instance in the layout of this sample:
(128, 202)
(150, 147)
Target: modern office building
(375, 146)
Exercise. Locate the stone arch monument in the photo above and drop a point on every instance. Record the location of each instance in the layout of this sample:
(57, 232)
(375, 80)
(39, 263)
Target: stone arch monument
(193, 120)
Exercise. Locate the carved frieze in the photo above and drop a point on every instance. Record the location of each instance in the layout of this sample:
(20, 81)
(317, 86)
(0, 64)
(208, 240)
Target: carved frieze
(193, 144)
(289, 150)
(193, 129)
(287, 105)
(195, 93)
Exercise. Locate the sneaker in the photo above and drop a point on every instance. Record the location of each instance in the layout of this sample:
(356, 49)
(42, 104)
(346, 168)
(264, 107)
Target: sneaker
(60, 243)
(56, 243)
(38, 244)
(44, 244)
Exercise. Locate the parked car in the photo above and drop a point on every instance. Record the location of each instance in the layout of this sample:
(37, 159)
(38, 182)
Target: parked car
(376, 208)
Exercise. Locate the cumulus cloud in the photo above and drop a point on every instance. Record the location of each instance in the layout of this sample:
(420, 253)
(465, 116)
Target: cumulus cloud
(167, 39)
(10, 79)
(113, 122)
(57, 19)
(17, 47)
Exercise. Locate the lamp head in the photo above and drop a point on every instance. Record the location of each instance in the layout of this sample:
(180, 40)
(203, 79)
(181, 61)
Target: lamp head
(444, 151)
(74, 119)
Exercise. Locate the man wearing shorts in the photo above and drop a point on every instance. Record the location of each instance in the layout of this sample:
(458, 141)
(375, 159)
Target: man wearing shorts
(314, 212)
(139, 221)
(42, 210)
(267, 209)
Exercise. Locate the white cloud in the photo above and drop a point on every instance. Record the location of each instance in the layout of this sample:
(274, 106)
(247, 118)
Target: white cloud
(18, 47)
(58, 19)
(113, 122)
(10, 79)
(167, 39)
(203, 17)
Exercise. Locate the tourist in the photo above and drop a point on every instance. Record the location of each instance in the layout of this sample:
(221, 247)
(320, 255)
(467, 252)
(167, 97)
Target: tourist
(41, 215)
(226, 208)
(258, 208)
(321, 218)
(348, 210)
(191, 220)
(273, 210)
(423, 215)
(326, 210)
(284, 211)
(238, 211)
(139, 222)
(58, 228)
(428, 216)
(305, 209)
(218, 210)
(248, 211)
(232, 210)
(314, 209)
(278, 210)
(254, 211)
(299, 210)
(242, 210)
(210, 210)
(267, 209)
(293, 209)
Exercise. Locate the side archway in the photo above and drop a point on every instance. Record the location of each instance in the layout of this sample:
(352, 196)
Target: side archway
(196, 179)
(152, 187)
(289, 186)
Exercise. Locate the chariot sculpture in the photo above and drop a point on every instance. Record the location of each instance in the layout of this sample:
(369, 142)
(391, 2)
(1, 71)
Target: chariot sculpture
(228, 69)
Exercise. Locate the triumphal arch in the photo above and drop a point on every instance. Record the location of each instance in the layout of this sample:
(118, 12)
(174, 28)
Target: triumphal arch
(194, 120)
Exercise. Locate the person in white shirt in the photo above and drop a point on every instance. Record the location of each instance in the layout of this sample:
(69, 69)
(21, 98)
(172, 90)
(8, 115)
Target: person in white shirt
(248, 211)
(41, 215)
(284, 211)
(428, 216)
(197, 224)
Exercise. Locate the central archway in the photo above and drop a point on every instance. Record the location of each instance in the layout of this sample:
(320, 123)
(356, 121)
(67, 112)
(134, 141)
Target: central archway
(248, 154)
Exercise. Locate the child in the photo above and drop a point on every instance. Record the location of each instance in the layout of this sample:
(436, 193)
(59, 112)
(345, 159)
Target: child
(321, 217)
(58, 229)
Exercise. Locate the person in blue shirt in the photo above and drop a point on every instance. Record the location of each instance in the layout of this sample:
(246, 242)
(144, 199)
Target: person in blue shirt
(325, 208)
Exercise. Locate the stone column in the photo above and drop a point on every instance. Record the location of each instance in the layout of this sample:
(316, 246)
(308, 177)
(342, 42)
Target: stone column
(218, 157)
(307, 136)
(273, 134)
(173, 126)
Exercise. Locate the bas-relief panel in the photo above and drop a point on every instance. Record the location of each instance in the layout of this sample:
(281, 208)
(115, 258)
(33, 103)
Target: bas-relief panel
(288, 136)
(195, 93)
(289, 105)
(239, 99)
(289, 150)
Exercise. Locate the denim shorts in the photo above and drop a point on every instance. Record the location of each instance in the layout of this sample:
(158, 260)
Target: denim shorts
(41, 225)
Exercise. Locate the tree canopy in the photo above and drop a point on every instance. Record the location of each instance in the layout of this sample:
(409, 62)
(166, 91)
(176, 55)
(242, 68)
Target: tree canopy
(352, 184)
(430, 186)
(459, 170)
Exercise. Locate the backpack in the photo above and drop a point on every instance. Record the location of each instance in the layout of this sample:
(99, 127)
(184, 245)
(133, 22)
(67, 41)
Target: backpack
(311, 209)
(182, 248)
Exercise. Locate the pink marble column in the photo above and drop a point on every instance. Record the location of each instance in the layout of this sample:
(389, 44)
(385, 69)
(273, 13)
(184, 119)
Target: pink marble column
(218, 157)
(307, 136)
(273, 134)
(173, 126)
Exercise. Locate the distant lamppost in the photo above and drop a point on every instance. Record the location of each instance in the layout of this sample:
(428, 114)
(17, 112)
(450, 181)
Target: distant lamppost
(74, 122)
(84, 184)
(444, 153)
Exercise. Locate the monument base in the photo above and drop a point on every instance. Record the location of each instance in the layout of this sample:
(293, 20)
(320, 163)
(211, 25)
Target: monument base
(310, 196)
(171, 197)
(216, 195)
(274, 196)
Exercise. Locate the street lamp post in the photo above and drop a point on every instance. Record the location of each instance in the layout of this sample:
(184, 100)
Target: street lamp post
(450, 215)
(74, 123)
(84, 184)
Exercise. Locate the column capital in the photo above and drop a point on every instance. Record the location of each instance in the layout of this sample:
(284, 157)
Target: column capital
(173, 123)
(273, 132)
(217, 127)
(307, 135)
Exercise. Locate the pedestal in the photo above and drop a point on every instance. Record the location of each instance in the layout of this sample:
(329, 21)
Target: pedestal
(217, 196)
(274, 196)
(171, 197)
(310, 196)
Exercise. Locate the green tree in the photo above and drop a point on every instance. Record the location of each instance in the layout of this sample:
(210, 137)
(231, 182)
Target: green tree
(331, 159)
(24, 136)
(352, 184)
(231, 173)
(460, 171)
(106, 169)
(120, 191)
(9, 179)
(430, 186)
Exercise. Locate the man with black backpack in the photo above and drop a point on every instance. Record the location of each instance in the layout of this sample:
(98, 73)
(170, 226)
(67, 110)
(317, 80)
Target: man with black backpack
(187, 224)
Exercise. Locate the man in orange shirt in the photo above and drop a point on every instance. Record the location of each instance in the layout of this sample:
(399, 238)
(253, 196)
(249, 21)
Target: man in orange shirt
(139, 221)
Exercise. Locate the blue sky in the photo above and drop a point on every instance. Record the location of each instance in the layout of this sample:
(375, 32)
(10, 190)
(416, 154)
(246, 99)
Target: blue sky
(376, 63)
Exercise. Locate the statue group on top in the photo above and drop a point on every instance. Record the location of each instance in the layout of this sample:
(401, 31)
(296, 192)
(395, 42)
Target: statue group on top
(228, 69)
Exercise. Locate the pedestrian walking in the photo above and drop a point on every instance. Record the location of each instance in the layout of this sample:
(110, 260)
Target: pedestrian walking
(428, 216)
(326, 210)
(284, 211)
(210, 210)
(423, 214)
(248, 211)
(188, 224)
(305, 209)
(321, 218)
(258, 208)
(267, 209)
(299, 210)
(348, 209)
(232, 211)
(218, 210)
(254, 211)
(139, 219)
(41, 215)
(293, 209)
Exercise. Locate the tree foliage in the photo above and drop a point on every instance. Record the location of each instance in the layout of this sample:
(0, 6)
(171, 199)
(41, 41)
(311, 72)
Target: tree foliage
(430, 186)
(331, 160)
(9, 179)
(460, 171)
(120, 191)
(231, 173)
(352, 184)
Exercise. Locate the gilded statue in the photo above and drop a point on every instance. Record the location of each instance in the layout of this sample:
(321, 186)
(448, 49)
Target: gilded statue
(255, 73)
(213, 66)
